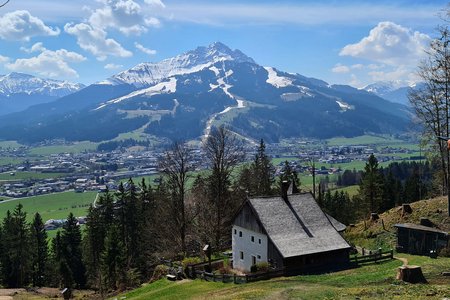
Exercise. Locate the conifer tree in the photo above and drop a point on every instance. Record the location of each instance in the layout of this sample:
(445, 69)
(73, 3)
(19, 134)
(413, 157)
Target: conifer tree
(39, 249)
(370, 188)
(263, 171)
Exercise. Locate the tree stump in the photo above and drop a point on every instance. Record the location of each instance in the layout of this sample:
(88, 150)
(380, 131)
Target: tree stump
(374, 216)
(411, 274)
(406, 209)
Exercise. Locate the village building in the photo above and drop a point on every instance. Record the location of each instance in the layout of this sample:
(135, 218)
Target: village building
(420, 239)
(289, 232)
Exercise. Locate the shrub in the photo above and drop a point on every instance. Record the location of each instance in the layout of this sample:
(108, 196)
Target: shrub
(262, 266)
(253, 269)
(444, 252)
(159, 272)
(191, 261)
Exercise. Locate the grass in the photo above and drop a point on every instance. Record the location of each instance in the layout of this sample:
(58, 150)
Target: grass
(74, 148)
(10, 144)
(52, 206)
(28, 175)
(365, 140)
(8, 160)
(372, 281)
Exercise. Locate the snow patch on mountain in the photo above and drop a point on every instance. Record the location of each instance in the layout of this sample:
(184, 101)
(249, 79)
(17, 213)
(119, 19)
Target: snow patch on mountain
(275, 80)
(344, 106)
(165, 87)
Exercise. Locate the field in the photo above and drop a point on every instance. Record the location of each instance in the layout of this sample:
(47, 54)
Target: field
(28, 175)
(375, 281)
(52, 206)
(365, 140)
(75, 148)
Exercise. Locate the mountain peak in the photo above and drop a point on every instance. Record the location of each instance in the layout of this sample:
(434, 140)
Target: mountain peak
(146, 74)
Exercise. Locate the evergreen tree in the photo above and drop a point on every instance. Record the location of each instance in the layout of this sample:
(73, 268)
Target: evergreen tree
(263, 171)
(113, 260)
(16, 249)
(370, 188)
(71, 253)
(288, 174)
(39, 249)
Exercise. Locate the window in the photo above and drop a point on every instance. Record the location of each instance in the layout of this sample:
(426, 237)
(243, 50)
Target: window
(235, 231)
(259, 241)
(259, 256)
(240, 233)
(253, 260)
(241, 255)
(253, 238)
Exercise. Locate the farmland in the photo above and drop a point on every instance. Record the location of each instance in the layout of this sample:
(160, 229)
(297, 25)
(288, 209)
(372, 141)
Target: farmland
(52, 206)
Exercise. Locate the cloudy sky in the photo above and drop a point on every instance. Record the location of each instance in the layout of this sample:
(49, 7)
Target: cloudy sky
(340, 41)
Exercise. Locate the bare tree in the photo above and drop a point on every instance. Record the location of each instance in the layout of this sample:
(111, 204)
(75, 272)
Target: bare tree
(223, 152)
(175, 164)
(3, 4)
(431, 103)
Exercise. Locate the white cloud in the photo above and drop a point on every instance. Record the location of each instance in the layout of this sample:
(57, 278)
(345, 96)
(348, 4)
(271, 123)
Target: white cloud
(143, 49)
(113, 66)
(3, 59)
(401, 73)
(125, 15)
(157, 3)
(390, 44)
(20, 25)
(300, 12)
(48, 63)
(95, 41)
(339, 68)
(37, 47)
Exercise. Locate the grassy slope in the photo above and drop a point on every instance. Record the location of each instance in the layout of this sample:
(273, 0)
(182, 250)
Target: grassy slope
(375, 236)
(372, 281)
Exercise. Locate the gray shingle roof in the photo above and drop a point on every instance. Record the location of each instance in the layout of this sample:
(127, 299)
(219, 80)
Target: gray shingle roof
(297, 226)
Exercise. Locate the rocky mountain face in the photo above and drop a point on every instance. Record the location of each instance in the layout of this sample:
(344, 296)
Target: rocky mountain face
(19, 91)
(394, 91)
(181, 98)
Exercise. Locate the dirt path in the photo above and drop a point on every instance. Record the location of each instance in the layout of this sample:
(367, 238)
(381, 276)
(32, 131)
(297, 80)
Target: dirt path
(402, 259)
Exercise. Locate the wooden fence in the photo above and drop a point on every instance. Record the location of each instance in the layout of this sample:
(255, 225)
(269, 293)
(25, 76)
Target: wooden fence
(374, 257)
(227, 278)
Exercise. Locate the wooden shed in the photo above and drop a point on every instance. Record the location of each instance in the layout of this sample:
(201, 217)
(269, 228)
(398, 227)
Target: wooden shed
(419, 239)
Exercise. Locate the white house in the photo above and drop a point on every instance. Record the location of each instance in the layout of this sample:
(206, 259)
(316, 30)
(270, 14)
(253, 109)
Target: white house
(289, 232)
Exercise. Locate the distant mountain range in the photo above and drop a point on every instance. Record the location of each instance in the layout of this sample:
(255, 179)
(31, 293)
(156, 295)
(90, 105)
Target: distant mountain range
(19, 91)
(180, 98)
(394, 91)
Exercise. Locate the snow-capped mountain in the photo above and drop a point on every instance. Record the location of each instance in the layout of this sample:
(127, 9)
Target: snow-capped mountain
(19, 91)
(147, 74)
(181, 98)
(19, 83)
(394, 91)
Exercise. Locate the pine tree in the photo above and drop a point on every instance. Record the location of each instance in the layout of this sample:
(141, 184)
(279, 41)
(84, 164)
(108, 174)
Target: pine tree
(113, 260)
(39, 249)
(263, 171)
(71, 251)
(370, 188)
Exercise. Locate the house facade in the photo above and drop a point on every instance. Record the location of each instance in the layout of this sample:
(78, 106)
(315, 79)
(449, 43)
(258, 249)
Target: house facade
(289, 232)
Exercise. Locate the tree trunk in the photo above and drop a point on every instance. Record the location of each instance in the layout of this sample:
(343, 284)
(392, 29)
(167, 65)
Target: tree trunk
(411, 274)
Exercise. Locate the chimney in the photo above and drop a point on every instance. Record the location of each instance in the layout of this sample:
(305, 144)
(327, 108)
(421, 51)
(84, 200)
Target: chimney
(284, 189)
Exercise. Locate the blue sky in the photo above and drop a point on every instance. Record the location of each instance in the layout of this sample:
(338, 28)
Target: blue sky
(345, 42)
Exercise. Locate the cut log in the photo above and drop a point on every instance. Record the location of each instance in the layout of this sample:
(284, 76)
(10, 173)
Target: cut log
(411, 274)
(374, 216)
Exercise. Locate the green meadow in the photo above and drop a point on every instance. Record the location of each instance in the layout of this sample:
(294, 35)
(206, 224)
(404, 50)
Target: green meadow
(52, 206)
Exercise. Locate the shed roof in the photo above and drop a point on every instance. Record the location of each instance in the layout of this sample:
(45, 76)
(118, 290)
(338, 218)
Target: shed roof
(420, 227)
(297, 226)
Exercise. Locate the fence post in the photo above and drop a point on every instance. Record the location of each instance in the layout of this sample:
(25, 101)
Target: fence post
(234, 278)
(392, 253)
(246, 278)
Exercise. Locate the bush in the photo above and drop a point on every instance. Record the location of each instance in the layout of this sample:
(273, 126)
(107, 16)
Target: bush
(160, 272)
(191, 261)
(262, 266)
(444, 252)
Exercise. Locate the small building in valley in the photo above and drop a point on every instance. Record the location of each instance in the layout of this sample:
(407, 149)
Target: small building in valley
(419, 239)
(289, 232)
